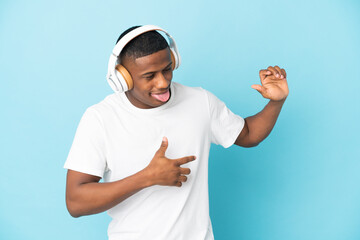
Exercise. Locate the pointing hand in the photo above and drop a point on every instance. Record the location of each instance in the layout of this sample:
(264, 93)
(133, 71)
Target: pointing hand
(165, 171)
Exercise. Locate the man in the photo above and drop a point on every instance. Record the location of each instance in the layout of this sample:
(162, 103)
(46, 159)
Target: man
(153, 190)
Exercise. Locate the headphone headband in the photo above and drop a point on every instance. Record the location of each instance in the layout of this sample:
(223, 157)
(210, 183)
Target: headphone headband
(125, 40)
(136, 32)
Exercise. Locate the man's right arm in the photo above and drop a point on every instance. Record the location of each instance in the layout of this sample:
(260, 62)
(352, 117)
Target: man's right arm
(85, 195)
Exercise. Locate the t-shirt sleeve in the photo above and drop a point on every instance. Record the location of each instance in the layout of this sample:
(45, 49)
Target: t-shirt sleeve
(88, 150)
(225, 125)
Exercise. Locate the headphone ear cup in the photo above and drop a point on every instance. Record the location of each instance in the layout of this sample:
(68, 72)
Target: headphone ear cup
(173, 59)
(123, 74)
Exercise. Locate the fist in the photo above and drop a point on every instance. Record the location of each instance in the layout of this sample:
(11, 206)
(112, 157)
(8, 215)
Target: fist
(273, 84)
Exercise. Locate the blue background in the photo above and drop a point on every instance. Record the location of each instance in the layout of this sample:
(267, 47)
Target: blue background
(301, 183)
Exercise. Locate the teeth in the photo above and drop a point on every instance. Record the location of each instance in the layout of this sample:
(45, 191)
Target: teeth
(162, 97)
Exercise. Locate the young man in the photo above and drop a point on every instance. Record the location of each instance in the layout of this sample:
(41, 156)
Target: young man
(151, 145)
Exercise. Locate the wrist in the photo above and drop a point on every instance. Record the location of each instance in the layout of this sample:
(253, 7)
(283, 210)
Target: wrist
(147, 177)
(278, 101)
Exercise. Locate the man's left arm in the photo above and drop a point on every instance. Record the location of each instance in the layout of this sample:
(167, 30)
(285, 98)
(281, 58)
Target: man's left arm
(275, 88)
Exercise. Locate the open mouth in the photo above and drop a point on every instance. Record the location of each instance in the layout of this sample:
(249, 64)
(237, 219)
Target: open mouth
(162, 97)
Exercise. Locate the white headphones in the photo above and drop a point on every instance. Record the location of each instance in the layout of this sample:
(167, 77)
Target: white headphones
(118, 77)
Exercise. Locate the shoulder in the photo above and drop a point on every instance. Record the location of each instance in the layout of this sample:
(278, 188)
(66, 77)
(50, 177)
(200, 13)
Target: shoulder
(196, 94)
(105, 107)
(189, 91)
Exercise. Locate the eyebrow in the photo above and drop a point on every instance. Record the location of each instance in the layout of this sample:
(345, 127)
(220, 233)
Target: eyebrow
(154, 72)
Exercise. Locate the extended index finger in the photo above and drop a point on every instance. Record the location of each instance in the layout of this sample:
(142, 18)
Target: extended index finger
(184, 160)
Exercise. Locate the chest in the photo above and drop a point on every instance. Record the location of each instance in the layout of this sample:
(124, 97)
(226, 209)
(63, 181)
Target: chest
(133, 139)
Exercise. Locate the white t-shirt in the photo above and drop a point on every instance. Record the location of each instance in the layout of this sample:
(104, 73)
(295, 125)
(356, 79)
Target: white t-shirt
(115, 139)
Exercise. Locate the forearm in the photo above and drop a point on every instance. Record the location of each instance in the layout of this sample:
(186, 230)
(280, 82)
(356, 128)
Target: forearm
(93, 197)
(261, 124)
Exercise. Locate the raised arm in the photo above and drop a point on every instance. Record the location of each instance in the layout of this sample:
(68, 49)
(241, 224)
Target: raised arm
(275, 88)
(85, 195)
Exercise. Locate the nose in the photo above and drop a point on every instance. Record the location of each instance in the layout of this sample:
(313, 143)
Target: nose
(161, 82)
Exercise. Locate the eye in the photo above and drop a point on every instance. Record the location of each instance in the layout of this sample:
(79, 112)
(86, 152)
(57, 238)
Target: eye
(149, 77)
(167, 69)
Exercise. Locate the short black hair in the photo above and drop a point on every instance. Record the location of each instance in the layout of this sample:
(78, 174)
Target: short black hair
(142, 45)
